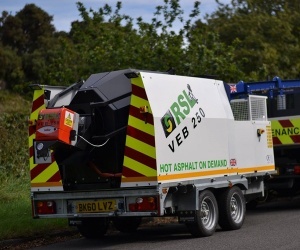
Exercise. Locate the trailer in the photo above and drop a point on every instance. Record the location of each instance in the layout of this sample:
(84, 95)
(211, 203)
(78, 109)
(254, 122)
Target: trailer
(283, 107)
(130, 144)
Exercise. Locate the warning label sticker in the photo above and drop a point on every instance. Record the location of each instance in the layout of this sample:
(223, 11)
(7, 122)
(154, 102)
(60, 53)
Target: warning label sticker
(69, 118)
(269, 137)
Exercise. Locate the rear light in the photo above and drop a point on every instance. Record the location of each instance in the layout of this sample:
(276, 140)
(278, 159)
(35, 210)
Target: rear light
(297, 169)
(148, 203)
(46, 207)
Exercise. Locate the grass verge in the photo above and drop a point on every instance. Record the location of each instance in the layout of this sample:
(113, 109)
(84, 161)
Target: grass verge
(15, 205)
(15, 211)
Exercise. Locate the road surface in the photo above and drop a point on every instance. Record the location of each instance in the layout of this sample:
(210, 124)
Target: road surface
(272, 226)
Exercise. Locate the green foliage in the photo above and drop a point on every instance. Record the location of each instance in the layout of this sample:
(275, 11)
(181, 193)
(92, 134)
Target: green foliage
(63, 67)
(15, 212)
(27, 30)
(268, 32)
(248, 39)
(13, 157)
(208, 55)
(14, 111)
(11, 66)
(26, 39)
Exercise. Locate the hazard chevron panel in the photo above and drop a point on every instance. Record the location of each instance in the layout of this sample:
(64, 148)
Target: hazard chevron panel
(46, 176)
(286, 132)
(139, 167)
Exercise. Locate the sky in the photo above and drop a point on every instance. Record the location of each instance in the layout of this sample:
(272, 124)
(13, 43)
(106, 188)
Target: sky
(64, 12)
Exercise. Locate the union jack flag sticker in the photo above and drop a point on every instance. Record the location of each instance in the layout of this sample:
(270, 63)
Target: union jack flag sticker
(233, 88)
(232, 162)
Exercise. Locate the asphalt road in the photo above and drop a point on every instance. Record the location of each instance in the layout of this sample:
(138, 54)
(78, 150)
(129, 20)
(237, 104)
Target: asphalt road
(272, 226)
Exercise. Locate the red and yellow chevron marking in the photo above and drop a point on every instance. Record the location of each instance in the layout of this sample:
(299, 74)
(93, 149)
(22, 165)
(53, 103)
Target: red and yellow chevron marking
(286, 131)
(42, 175)
(140, 157)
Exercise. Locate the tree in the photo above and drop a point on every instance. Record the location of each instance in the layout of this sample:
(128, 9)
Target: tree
(207, 55)
(109, 40)
(11, 67)
(30, 36)
(267, 34)
(28, 30)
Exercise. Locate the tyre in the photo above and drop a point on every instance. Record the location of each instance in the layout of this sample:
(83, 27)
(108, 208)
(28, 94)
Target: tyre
(127, 224)
(206, 217)
(93, 228)
(232, 209)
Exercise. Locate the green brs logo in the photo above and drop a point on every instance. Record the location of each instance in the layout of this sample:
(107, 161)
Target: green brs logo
(178, 111)
(168, 123)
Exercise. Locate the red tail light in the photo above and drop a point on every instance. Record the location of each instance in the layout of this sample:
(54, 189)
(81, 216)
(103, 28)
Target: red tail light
(297, 169)
(144, 204)
(46, 207)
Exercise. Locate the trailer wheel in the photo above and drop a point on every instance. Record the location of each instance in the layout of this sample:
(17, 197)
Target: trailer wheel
(206, 217)
(127, 224)
(93, 228)
(232, 208)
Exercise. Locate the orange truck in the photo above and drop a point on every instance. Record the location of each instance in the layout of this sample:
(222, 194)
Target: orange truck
(130, 144)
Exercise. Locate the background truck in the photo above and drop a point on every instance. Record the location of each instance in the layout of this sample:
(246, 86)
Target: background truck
(283, 106)
(129, 144)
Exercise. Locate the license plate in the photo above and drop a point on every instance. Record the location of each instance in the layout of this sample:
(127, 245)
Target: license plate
(96, 206)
